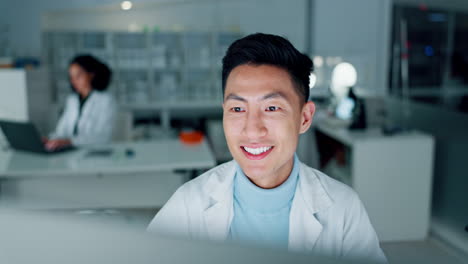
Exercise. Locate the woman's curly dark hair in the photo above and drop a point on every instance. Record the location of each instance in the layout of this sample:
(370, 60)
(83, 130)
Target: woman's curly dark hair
(101, 73)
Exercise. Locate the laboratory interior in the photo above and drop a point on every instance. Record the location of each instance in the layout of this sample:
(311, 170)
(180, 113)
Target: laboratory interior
(389, 83)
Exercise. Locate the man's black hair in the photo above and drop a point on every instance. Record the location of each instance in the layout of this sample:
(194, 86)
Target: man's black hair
(267, 49)
(102, 73)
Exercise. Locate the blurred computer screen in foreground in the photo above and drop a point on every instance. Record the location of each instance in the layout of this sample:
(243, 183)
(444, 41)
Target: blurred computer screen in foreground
(38, 237)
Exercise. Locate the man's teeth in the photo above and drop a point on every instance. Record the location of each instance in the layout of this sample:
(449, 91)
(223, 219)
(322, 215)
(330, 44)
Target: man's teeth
(257, 151)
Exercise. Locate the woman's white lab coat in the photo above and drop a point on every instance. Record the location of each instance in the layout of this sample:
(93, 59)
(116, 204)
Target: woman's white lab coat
(96, 123)
(326, 216)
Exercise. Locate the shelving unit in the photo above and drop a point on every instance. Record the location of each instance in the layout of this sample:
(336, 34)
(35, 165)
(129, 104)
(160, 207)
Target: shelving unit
(148, 68)
(154, 73)
(391, 174)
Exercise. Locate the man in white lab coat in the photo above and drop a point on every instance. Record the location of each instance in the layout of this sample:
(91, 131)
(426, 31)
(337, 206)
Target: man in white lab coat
(266, 196)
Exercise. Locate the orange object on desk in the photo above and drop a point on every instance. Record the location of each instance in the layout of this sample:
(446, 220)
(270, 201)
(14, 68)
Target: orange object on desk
(191, 137)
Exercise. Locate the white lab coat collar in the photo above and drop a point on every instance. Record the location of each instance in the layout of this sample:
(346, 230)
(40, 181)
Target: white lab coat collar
(220, 211)
(310, 194)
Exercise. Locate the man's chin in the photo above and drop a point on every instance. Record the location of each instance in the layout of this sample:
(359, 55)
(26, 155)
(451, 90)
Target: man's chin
(254, 171)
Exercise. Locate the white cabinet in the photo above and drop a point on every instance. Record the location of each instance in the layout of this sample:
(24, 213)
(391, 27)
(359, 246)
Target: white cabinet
(391, 174)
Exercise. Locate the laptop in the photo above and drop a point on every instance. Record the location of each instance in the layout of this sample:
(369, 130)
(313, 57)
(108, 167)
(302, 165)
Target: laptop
(24, 136)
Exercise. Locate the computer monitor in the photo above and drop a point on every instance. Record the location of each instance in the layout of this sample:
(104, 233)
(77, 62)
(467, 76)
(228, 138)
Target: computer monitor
(13, 95)
(46, 237)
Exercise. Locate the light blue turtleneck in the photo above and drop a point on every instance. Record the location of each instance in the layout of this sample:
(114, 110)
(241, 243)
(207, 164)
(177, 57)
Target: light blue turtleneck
(261, 216)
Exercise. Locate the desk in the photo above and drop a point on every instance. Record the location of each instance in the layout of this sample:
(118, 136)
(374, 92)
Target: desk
(76, 180)
(391, 174)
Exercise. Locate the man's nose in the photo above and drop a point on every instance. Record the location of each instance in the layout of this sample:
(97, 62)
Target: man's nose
(254, 125)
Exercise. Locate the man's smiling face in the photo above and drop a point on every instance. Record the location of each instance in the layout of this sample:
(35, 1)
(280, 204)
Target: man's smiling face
(263, 116)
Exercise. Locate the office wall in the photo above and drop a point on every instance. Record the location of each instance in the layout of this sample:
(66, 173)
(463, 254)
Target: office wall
(23, 17)
(358, 31)
(2, 11)
(275, 16)
(3, 19)
(355, 30)
(449, 195)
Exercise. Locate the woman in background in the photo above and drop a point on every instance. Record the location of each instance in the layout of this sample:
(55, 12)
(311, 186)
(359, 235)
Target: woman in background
(88, 117)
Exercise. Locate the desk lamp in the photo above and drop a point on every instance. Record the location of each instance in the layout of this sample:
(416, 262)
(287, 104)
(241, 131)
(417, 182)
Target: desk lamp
(344, 76)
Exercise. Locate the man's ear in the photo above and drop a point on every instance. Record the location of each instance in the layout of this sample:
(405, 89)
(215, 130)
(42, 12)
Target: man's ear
(307, 115)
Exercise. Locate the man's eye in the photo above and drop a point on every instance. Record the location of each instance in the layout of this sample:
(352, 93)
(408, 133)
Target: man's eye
(237, 109)
(272, 108)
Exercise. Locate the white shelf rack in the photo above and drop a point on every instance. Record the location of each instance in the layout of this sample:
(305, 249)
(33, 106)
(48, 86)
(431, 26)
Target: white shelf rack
(148, 67)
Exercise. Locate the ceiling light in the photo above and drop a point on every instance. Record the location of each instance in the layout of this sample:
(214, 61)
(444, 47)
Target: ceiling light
(126, 5)
(318, 61)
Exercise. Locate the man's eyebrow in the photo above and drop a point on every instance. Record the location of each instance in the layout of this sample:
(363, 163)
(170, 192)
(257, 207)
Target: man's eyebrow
(272, 95)
(232, 96)
(275, 95)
